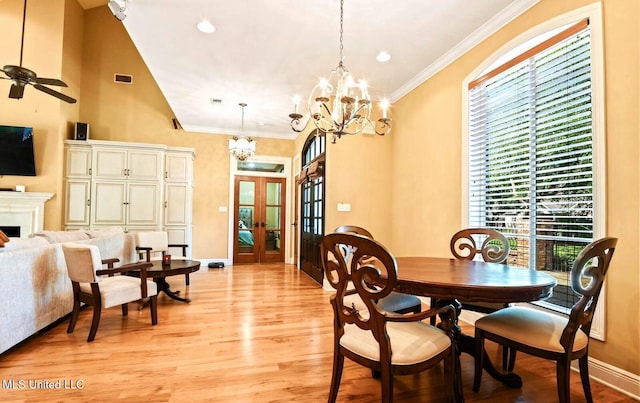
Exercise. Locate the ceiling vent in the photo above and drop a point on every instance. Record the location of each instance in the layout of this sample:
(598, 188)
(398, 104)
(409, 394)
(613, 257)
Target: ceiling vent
(123, 78)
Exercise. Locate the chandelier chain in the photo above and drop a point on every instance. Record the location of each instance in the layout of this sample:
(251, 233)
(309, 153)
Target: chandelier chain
(340, 105)
(341, 29)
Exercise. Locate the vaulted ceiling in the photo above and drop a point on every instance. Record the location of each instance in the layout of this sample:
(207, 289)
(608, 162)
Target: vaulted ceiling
(263, 53)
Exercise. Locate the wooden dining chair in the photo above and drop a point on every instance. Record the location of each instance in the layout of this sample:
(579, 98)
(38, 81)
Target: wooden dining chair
(395, 301)
(549, 335)
(84, 267)
(387, 343)
(492, 247)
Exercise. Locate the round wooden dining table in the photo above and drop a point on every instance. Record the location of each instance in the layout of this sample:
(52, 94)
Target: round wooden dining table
(472, 281)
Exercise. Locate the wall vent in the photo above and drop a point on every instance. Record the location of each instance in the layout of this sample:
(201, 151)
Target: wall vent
(123, 78)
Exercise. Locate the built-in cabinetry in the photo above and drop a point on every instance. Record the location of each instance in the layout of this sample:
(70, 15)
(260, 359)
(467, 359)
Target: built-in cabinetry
(137, 186)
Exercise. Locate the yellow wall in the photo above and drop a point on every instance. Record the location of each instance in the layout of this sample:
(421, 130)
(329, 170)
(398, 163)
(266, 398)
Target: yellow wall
(405, 187)
(47, 37)
(358, 172)
(426, 204)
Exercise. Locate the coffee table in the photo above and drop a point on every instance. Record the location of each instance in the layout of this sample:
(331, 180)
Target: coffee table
(159, 272)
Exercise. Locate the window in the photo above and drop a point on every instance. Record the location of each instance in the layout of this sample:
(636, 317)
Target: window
(531, 154)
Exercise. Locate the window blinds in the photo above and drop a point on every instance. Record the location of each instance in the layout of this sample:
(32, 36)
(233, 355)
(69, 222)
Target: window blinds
(530, 142)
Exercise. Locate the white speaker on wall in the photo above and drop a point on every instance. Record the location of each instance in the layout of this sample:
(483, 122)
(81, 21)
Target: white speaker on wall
(81, 131)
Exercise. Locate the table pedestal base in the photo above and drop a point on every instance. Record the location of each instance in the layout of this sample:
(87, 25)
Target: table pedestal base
(466, 344)
(166, 288)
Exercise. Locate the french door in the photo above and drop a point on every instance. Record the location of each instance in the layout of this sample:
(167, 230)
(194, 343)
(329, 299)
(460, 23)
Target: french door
(259, 213)
(312, 229)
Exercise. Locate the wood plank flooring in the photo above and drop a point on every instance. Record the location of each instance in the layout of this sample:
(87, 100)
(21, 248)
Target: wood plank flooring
(254, 333)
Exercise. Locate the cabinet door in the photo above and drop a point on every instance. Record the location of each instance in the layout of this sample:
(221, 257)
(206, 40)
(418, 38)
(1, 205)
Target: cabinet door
(110, 163)
(177, 204)
(144, 165)
(143, 203)
(77, 202)
(109, 203)
(178, 167)
(78, 163)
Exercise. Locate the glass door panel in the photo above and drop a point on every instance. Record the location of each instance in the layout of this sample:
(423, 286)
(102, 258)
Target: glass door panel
(246, 213)
(273, 220)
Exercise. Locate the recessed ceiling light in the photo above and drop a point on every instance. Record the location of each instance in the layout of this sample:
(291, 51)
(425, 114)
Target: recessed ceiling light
(383, 57)
(206, 26)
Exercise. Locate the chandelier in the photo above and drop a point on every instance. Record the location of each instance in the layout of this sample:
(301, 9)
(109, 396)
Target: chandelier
(242, 147)
(339, 105)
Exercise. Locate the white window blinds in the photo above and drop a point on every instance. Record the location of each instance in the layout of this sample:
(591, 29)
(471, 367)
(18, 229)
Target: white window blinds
(530, 143)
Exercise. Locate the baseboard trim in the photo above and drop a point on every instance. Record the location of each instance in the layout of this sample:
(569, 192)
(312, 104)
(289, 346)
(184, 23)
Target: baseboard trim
(599, 371)
(615, 378)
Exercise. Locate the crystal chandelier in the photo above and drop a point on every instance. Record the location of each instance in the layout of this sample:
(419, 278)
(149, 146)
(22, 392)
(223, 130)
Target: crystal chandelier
(339, 105)
(242, 147)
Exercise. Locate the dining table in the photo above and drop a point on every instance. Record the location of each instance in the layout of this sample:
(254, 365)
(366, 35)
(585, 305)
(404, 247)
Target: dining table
(454, 280)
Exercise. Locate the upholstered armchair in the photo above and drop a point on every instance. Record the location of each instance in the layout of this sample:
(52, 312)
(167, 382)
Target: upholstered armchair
(92, 288)
(153, 245)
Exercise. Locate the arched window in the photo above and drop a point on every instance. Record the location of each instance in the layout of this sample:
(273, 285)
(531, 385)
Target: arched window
(530, 157)
(313, 148)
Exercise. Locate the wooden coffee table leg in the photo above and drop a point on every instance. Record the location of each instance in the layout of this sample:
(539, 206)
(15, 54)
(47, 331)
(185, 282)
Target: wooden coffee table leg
(164, 287)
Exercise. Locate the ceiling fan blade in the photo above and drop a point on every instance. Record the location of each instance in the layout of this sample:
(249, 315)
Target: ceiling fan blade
(16, 91)
(56, 94)
(50, 81)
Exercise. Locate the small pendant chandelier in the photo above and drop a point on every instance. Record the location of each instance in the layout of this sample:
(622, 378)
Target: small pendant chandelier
(242, 147)
(339, 105)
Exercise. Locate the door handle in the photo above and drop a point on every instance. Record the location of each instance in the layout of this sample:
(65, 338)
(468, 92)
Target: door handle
(263, 225)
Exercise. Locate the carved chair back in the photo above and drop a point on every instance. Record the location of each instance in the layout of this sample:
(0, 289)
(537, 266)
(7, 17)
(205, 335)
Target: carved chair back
(587, 277)
(468, 243)
(366, 263)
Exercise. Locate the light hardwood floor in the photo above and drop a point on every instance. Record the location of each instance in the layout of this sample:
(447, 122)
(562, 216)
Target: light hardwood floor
(251, 334)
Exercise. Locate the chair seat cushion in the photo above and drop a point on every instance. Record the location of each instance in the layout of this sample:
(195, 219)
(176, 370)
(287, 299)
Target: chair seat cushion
(118, 290)
(397, 301)
(531, 327)
(411, 342)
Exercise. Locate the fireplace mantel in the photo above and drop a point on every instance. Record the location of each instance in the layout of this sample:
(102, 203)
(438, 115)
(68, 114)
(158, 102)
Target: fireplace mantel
(24, 210)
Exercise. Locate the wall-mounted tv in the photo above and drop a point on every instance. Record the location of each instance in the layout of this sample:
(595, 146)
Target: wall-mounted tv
(16, 151)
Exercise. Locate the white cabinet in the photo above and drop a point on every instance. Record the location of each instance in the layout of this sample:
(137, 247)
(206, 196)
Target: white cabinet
(78, 162)
(136, 186)
(178, 194)
(178, 166)
(116, 163)
(77, 186)
(128, 204)
(77, 202)
(176, 204)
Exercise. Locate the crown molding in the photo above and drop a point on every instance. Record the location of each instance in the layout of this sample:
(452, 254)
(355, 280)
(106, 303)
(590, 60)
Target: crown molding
(497, 22)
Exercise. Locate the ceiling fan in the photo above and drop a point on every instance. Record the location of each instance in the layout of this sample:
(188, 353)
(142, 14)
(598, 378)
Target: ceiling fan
(21, 76)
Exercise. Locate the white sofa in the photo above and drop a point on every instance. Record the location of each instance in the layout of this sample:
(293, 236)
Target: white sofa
(36, 290)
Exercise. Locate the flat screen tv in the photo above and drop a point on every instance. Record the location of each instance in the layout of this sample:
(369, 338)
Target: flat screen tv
(16, 151)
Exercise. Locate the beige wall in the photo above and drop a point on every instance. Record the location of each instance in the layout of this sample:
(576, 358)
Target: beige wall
(405, 187)
(426, 204)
